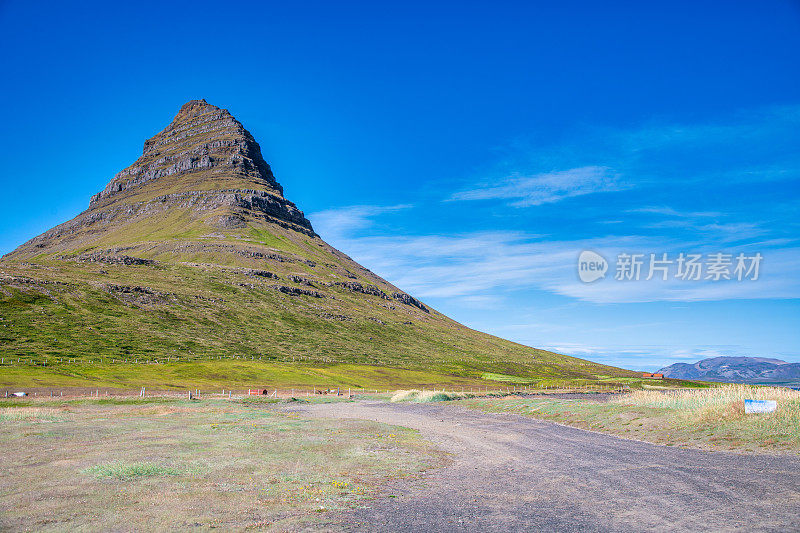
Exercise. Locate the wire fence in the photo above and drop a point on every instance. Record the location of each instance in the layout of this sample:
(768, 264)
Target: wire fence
(298, 393)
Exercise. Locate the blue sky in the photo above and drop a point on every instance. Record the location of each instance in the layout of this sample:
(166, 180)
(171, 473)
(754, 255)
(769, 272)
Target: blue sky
(467, 152)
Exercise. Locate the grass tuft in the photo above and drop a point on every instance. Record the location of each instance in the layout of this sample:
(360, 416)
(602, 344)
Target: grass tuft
(428, 396)
(127, 471)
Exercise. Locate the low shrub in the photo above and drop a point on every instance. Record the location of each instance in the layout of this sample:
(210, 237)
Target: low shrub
(428, 396)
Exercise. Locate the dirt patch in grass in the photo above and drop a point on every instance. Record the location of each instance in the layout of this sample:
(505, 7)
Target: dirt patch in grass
(134, 466)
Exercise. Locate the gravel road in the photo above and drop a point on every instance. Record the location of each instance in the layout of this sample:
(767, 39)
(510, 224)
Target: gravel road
(511, 473)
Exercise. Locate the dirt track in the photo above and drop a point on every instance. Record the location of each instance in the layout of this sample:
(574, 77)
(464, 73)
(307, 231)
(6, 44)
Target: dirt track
(517, 474)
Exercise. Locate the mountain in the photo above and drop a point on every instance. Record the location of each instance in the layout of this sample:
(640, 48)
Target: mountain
(736, 370)
(194, 255)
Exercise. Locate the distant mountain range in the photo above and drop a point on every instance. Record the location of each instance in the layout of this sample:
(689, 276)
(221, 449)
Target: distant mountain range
(737, 370)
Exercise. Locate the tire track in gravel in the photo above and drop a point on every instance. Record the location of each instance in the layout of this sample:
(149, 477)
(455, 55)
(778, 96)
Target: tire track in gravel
(511, 473)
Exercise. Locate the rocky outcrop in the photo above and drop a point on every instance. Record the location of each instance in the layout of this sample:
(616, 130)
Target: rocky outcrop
(110, 259)
(139, 296)
(21, 280)
(355, 286)
(341, 318)
(250, 253)
(260, 273)
(409, 300)
(372, 290)
(299, 292)
(301, 280)
(125, 289)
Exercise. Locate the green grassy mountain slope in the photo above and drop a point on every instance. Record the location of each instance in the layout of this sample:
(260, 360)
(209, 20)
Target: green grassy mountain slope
(193, 257)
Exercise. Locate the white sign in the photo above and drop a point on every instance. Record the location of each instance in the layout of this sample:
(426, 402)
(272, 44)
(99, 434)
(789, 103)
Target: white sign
(759, 406)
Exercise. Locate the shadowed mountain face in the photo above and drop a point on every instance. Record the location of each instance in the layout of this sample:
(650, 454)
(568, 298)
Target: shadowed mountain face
(736, 370)
(193, 252)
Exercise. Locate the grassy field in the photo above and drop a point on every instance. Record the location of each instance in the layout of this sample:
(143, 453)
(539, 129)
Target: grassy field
(225, 374)
(162, 465)
(712, 418)
(231, 373)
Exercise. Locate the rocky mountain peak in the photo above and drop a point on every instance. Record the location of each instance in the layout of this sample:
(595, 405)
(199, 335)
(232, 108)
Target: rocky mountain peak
(203, 168)
(203, 140)
(192, 108)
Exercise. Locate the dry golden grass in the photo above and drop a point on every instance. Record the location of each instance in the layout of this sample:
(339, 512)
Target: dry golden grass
(725, 405)
(723, 402)
(711, 418)
(701, 398)
(32, 414)
(415, 395)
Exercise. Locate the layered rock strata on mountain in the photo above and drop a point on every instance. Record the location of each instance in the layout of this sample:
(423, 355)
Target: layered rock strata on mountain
(207, 161)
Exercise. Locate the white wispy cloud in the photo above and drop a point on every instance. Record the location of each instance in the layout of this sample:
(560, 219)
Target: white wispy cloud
(486, 265)
(543, 188)
(335, 223)
(753, 146)
(743, 129)
(477, 267)
(671, 212)
(722, 232)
